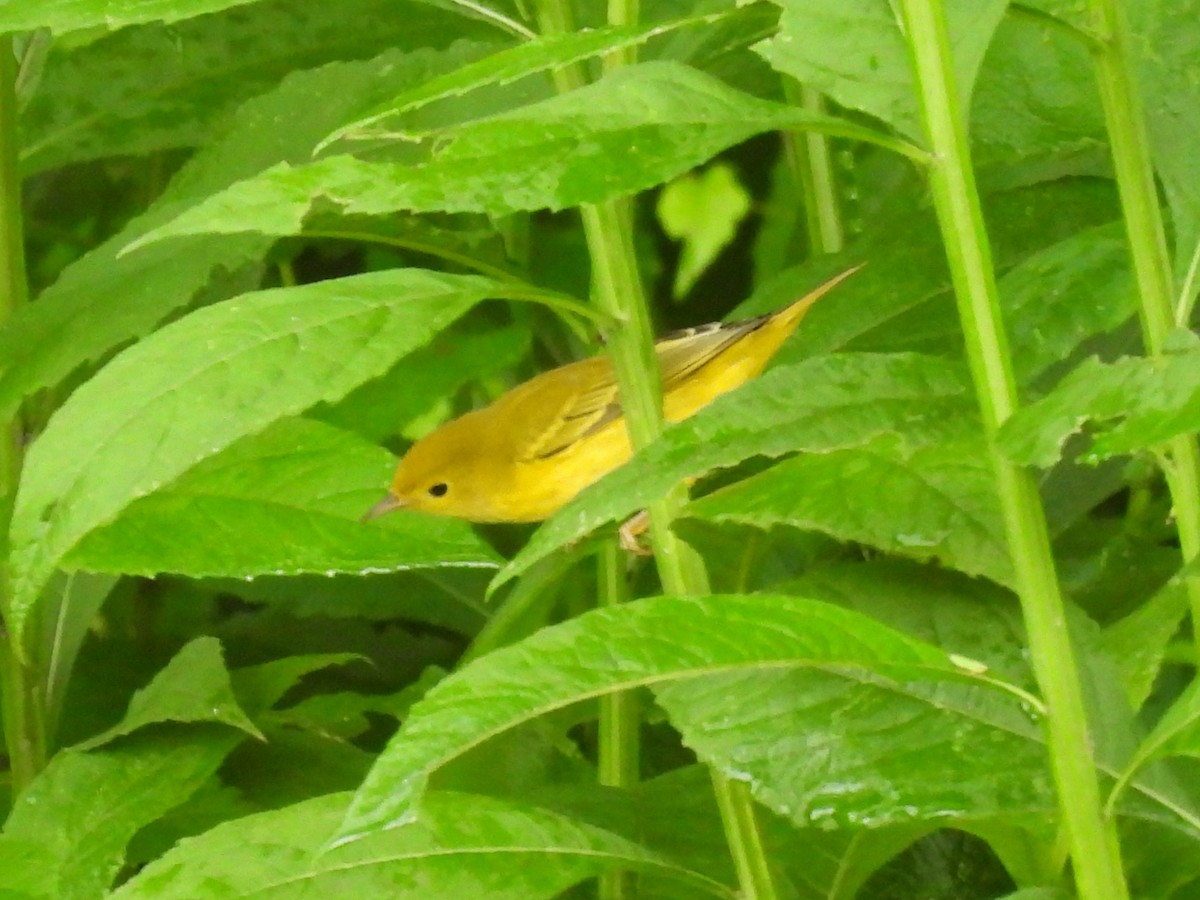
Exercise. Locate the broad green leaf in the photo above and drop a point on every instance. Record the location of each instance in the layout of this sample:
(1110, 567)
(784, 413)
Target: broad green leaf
(965, 616)
(379, 409)
(202, 383)
(830, 754)
(285, 501)
(1059, 297)
(105, 299)
(538, 54)
(820, 864)
(1165, 48)
(1036, 113)
(941, 501)
(342, 714)
(463, 846)
(449, 598)
(818, 405)
(83, 808)
(1177, 733)
(292, 765)
(1164, 43)
(1159, 862)
(61, 16)
(27, 869)
(100, 302)
(260, 687)
(1137, 644)
(629, 131)
(618, 648)
(193, 687)
(1066, 278)
(96, 101)
(856, 52)
(1135, 403)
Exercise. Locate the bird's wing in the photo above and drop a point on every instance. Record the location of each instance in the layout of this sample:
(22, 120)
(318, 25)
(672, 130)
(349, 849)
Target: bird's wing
(682, 354)
(583, 401)
(576, 405)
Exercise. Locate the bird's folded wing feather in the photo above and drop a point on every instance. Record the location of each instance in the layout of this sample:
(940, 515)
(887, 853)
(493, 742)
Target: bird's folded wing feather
(682, 354)
(595, 402)
(584, 409)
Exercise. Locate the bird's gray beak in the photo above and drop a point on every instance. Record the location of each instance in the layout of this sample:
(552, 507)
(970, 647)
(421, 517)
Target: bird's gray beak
(386, 505)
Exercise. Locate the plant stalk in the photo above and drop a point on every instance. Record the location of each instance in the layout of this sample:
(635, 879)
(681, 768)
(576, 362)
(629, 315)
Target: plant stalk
(617, 291)
(812, 167)
(24, 710)
(1091, 837)
(619, 752)
(1146, 233)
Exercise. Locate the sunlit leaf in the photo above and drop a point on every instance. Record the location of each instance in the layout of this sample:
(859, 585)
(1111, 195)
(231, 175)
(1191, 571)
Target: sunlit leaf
(649, 642)
(234, 368)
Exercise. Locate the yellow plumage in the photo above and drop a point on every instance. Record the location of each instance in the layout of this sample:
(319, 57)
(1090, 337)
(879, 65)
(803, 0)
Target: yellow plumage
(537, 446)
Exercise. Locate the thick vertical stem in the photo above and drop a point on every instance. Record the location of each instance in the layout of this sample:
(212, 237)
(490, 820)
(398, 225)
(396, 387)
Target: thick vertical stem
(619, 753)
(1148, 248)
(1092, 838)
(617, 290)
(24, 714)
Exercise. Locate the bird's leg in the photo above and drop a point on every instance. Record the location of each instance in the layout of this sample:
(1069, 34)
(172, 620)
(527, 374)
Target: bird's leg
(631, 530)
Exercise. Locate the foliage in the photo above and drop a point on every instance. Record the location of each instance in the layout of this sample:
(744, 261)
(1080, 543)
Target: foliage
(269, 243)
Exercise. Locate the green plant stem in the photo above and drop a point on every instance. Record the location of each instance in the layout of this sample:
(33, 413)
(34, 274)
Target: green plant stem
(812, 166)
(1134, 169)
(1091, 838)
(24, 711)
(620, 719)
(527, 602)
(617, 291)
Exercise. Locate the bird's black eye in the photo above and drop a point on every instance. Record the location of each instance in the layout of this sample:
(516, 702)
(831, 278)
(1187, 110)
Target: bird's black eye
(439, 489)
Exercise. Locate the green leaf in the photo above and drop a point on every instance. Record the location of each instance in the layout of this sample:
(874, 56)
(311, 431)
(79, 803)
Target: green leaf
(261, 687)
(704, 212)
(28, 870)
(382, 407)
(78, 598)
(830, 754)
(1166, 44)
(818, 405)
(538, 54)
(619, 648)
(1059, 297)
(856, 52)
(629, 131)
(83, 808)
(1036, 113)
(1137, 643)
(463, 846)
(1135, 403)
(95, 100)
(101, 301)
(104, 299)
(1066, 278)
(61, 16)
(200, 384)
(193, 687)
(1177, 733)
(821, 864)
(941, 501)
(285, 501)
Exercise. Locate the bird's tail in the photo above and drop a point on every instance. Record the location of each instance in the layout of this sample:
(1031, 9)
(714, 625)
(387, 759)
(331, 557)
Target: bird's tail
(789, 317)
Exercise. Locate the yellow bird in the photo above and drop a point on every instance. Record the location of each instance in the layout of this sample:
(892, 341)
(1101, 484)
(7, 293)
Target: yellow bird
(537, 446)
